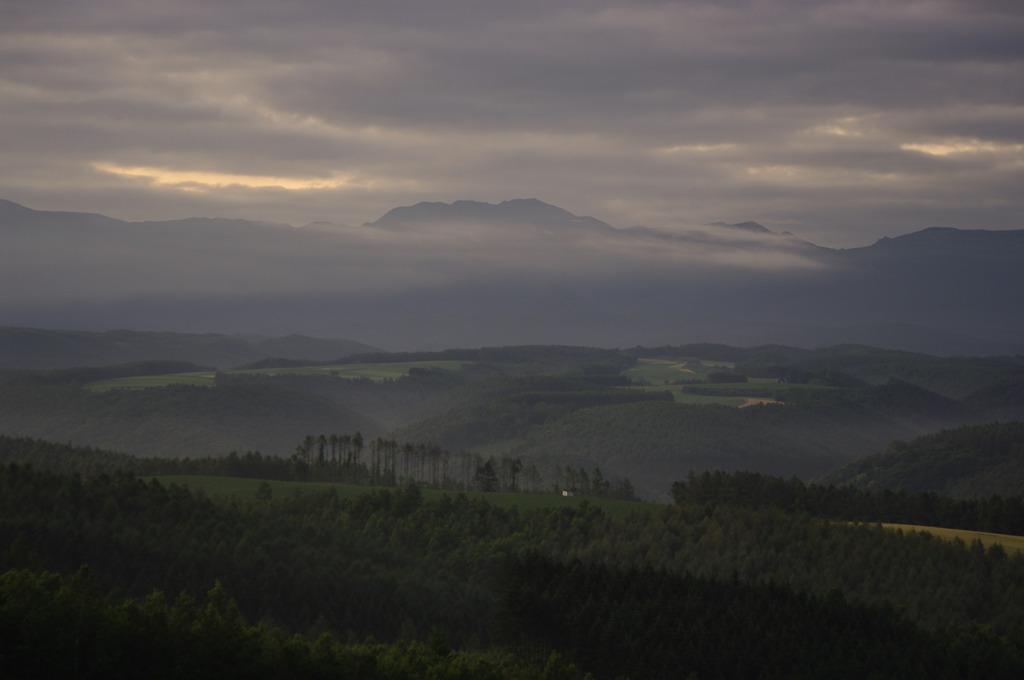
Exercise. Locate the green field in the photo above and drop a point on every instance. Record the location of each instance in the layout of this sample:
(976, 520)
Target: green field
(662, 371)
(379, 371)
(682, 397)
(139, 382)
(224, 487)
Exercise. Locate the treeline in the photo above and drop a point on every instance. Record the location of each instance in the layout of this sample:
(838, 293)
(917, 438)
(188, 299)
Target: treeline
(848, 503)
(572, 482)
(343, 459)
(89, 461)
(382, 461)
(63, 458)
(61, 627)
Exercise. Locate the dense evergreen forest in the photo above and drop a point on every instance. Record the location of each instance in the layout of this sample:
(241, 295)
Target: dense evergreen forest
(698, 588)
(59, 627)
(644, 623)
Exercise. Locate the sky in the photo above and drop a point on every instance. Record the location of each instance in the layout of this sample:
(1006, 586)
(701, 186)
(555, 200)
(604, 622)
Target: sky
(841, 122)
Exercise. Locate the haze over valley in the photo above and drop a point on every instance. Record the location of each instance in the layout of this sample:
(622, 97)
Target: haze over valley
(465, 274)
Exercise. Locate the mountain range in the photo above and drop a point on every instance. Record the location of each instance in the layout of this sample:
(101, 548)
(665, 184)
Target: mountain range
(436, 275)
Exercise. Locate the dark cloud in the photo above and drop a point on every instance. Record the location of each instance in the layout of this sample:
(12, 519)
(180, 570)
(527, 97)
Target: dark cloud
(842, 122)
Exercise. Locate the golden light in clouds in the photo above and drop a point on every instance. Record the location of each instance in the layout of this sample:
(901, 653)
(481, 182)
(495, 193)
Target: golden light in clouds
(962, 146)
(195, 180)
(698, 148)
(837, 130)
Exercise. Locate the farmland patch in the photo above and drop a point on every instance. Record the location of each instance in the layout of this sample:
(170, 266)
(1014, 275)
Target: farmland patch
(1009, 543)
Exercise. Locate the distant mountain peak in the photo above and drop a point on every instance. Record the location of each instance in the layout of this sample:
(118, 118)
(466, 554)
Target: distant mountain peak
(745, 226)
(515, 211)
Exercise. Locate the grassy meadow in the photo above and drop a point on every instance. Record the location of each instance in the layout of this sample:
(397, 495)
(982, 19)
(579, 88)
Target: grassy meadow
(377, 371)
(662, 371)
(682, 397)
(140, 382)
(222, 487)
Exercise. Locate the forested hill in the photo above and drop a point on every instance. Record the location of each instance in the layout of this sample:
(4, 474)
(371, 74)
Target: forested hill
(968, 462)
(646, 414)
(172, 421)
(719, 592)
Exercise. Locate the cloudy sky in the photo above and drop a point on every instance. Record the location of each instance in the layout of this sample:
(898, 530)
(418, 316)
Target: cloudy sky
(839, 121)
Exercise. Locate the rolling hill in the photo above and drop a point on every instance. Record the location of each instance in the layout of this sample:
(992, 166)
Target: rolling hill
(649, 415)
(966, 462)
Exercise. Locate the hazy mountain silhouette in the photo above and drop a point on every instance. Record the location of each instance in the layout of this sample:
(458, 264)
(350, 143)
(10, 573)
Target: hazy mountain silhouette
(34, 348)
(746, 226)
(436, 275)
(521, 211)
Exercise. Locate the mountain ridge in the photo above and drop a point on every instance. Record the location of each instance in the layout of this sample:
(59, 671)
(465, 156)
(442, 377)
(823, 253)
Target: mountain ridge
(37, 348)
(517, 209)
(518, 272)
(514, 211)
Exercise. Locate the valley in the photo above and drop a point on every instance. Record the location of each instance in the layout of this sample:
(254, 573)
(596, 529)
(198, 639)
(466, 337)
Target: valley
(469, 487)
